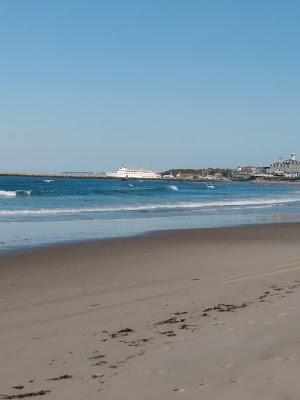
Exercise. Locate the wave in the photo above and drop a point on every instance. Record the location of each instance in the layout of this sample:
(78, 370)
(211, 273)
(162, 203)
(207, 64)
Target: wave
(173, 187)
(151, 207)
(23, 192)
(130, 189)
(8, 193)
(14, 193)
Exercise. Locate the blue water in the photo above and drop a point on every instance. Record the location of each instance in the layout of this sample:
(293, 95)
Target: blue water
(37, 211)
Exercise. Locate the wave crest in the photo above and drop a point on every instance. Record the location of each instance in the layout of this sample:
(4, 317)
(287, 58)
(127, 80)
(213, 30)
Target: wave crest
(173, 187)
(8, 193)
(151, 207)
(14, 193)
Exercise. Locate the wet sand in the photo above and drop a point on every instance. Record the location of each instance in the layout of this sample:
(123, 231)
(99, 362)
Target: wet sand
(208, 314)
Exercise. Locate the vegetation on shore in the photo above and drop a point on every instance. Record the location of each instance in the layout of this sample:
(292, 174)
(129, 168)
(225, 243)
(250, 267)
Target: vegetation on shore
(226, 172)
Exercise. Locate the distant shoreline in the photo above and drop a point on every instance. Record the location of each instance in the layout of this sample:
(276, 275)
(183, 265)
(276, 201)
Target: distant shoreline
(104, 176)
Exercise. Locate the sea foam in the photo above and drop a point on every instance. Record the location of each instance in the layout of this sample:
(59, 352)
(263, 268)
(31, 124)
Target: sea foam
(8, 193)
(14, 193)
(173, 187)
(249, 203)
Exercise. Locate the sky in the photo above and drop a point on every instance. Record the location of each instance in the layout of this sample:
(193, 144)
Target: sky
(88, 85)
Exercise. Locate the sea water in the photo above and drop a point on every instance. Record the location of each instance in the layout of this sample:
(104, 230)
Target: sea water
(35, 211)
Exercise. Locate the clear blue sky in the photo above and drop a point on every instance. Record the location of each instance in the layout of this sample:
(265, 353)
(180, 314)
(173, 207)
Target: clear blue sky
(88, 85)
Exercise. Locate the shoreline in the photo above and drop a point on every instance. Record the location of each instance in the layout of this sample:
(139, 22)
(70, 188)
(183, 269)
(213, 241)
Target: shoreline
(159, 233)
(106, 177)
(199, 312)
(103, 176)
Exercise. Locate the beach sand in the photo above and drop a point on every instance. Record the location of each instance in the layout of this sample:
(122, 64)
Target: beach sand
(193, 314)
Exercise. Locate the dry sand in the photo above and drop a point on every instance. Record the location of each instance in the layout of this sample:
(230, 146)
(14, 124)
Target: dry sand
(210, 314)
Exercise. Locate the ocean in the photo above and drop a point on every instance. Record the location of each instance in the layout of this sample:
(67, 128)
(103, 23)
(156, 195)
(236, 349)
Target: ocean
(40, 211)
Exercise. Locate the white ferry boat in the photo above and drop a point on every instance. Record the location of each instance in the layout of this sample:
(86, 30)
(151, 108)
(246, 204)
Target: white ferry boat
(139, 173)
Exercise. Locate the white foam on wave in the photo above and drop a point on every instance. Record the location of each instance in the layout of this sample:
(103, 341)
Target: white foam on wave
(254, 207)
(173, 187)
(8, 193)
(14, 193)
(210, 186)
(249, 203)
(48, 180)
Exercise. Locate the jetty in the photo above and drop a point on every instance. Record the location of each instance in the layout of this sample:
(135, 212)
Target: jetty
(88, 175)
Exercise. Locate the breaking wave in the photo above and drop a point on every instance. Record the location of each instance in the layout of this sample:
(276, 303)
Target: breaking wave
(249, 203)
(61, 191)
(14, 193)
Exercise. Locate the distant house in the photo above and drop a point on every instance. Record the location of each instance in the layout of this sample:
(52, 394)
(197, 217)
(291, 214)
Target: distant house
(247, 170)
(285, 167)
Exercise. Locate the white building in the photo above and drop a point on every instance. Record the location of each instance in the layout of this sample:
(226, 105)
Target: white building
(285, 167)
(139, 173)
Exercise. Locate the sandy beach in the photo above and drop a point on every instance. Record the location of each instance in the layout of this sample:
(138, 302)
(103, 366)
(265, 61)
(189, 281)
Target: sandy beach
(210, 314)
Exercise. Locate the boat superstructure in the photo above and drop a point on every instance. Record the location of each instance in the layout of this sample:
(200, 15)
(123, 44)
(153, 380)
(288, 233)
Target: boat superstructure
(139, 173)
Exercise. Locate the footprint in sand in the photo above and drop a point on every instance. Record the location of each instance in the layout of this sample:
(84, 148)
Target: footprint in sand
(276, 358)
(95, 376)
(153, 371)
(228, 330)
(217, 323)
(285, 358)
(272, 379)
(291, 358)
(229, 365)
(251, 322)
(201, 385)
(166, 348)
(282, 315)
